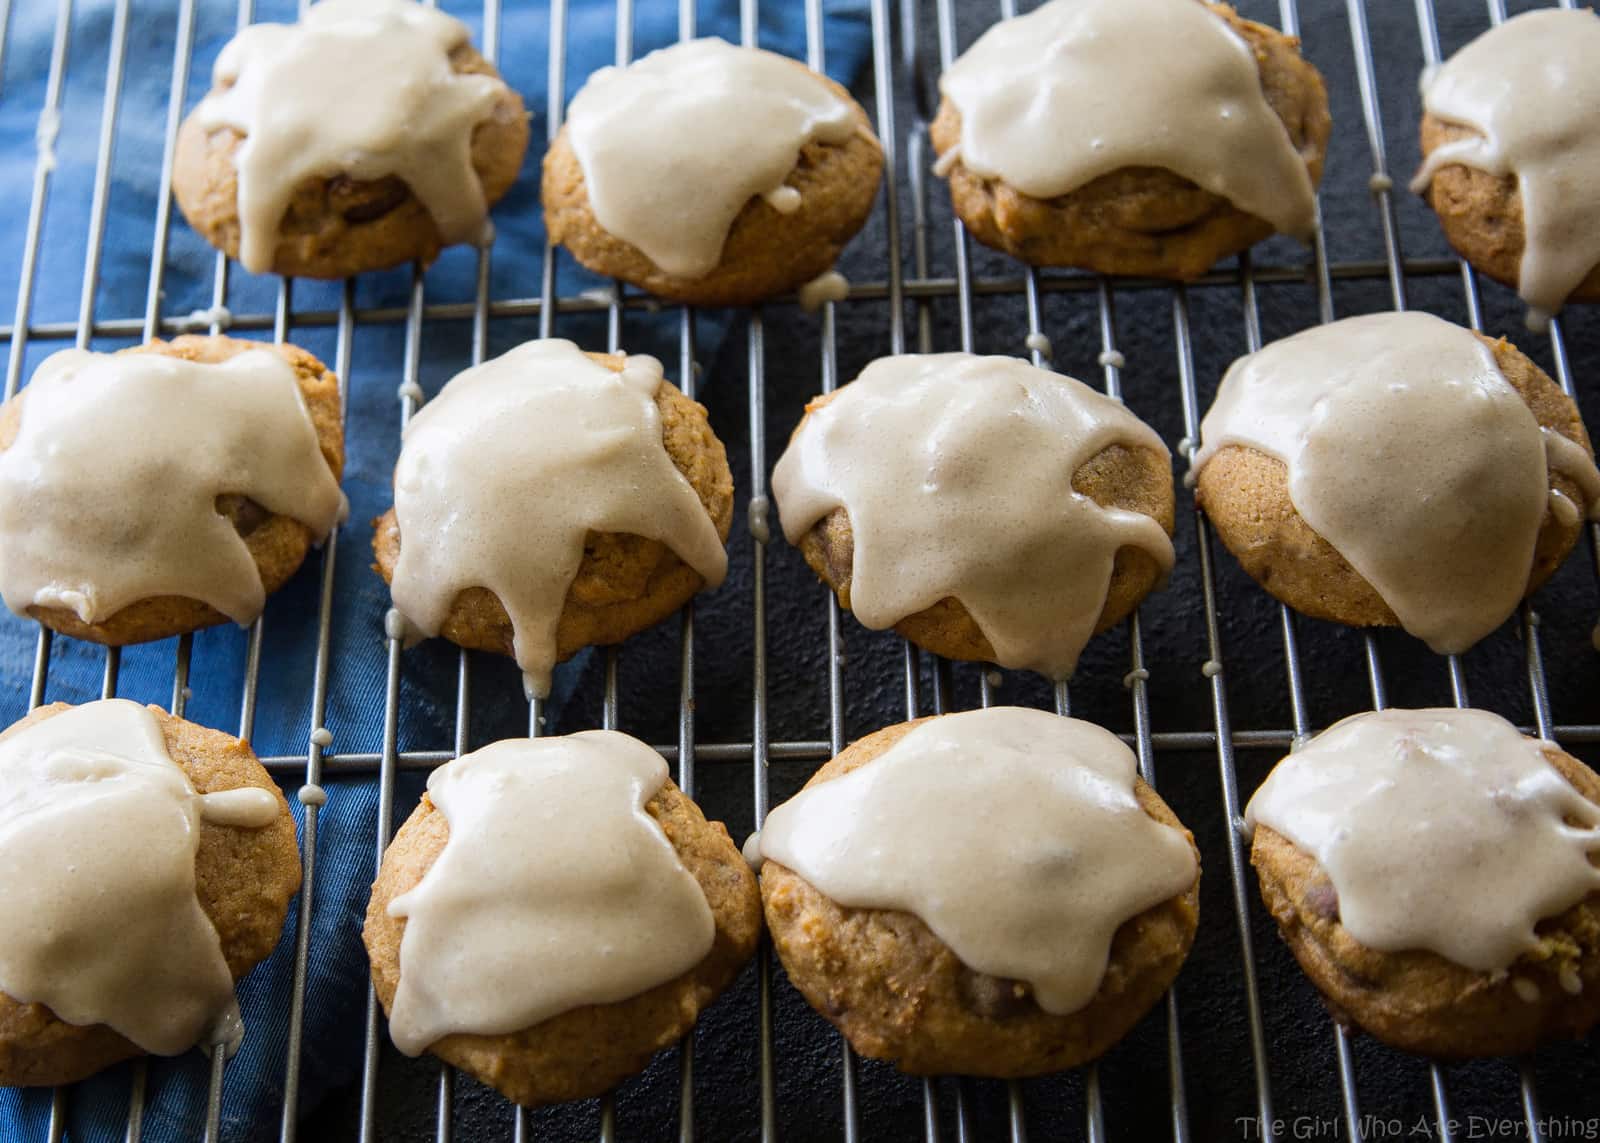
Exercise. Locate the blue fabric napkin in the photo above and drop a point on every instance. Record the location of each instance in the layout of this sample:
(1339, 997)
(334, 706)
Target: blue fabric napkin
(336, 989)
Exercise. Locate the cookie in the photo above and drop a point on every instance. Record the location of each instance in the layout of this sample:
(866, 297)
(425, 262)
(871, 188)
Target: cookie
(221, 433)
(1460, 512)
(1126, 169)
(425, 138)
(1511, 157)
(586, 1050)
(1044, 518)
(643, 522)
(1101, 916)
(244, 877)
(710, 174)
(1498, 886)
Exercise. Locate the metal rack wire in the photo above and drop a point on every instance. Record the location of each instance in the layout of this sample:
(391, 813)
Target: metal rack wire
(896, 84)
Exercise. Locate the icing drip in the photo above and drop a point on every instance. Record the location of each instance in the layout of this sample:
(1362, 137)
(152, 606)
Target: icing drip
(504, 473)
(1049, 103)
(956, 472)
(676, 144)
(1411, 454)
(1572, 460)
(247, 807)
(1013, 834)
(99, 921)
(402, 111)
(831, 286)
(80, 524)
(556, 889)
(1440, 829)
(1529, 89)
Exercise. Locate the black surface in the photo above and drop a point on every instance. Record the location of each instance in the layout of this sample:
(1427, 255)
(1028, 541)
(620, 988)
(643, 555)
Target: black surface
(1217, 1069)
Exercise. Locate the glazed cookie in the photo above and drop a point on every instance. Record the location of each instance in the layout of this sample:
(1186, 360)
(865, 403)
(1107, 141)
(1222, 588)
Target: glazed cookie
(423, 137)
(245, 443)
(1511, 156)
(992, 893)
(1437, 876)
(522, 861)
(1143, 137)
(983, 508)
(1396, 470)
(148, 865)
(552, 499)
(711, 174)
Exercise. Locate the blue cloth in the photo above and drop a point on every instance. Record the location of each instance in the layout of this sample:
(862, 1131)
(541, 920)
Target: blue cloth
(336, 991)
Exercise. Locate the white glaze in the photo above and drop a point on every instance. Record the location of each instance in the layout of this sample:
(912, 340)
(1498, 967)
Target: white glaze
(361, 88)
(831, 286)
(1529, 89)
(1440, 829)
(555, 890)
(1410, 453)
(1076, 89)
(99, 921)
(503, 474)
(80, 525)
(956, 472)
(675, 145)
(1013, 834)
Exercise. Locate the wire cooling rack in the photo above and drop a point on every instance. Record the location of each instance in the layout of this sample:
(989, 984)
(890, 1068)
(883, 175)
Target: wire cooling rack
(921, 285)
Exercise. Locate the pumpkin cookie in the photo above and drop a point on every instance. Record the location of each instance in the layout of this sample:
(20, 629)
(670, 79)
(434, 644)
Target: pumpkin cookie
(482, 931)
(711, 174)
(1139, 137)
(983, 508)
(1437, 876)
(184, 858)
(902, 919)
(1511, 156)
(425, 137)
(244, 440)
(552, 499)
(1396, 470)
